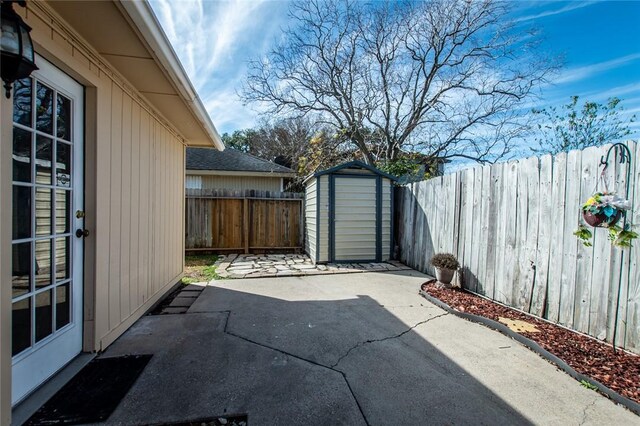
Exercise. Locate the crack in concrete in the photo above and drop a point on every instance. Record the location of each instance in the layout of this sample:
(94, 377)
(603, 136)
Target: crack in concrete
(366, 342)
(584, 412)
(328, 367)
(344, 376)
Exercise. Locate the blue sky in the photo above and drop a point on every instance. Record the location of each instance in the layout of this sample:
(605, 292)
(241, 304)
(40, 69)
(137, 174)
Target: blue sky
(600, 41)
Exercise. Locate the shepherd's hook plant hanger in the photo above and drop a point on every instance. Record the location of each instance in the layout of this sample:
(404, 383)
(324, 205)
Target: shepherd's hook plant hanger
(623, 156)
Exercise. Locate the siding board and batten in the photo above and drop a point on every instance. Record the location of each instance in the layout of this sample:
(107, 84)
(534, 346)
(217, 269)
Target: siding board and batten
(511, 226)
(348, 214)
(138, 248)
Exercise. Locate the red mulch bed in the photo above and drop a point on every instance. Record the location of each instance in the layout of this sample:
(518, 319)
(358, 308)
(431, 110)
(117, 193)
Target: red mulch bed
(618, 371)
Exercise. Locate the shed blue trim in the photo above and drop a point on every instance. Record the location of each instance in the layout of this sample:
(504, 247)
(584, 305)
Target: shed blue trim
(393, 219)
(378, 218)
(332, 218)
(318, 200)
(358, 164)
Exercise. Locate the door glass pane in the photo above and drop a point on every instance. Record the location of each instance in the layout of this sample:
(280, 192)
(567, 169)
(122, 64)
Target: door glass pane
(62, 258)
(42, 158)
(63, 211)
(44, 108)
(43, 263)
(63, 113)
(63, 306)
(44, 215)
(21, 269)
(63, 165)
(22, 102)
(21, 212)
(44, 151)
(44, 315)
(21, 155)
(21, 326)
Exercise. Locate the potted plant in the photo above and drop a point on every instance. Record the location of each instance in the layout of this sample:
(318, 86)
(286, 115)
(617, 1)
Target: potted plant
(604, 210)
(446, 265)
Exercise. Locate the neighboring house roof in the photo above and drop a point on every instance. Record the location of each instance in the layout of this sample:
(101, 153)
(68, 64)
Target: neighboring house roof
(129, 36)
(231, 160)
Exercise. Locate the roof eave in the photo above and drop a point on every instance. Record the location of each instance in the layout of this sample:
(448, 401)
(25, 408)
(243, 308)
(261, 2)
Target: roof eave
(147, 24)
(353, 163)
(239, 173)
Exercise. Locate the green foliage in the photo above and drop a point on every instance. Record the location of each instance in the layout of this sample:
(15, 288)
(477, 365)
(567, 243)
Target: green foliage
(404, 166)
(584, 235)
(199, 268)
(239, 139)
(588, 385)
(445, 261)
(618, 236)
(622, 237)
(574, 127)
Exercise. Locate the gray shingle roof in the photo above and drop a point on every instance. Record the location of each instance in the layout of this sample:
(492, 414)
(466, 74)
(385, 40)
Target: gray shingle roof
(230, 160)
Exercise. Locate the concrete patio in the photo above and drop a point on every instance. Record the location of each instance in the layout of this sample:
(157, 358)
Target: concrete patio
(352, 349)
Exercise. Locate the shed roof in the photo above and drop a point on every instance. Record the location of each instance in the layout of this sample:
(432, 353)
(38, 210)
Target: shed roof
(231, 160)
(356, 164)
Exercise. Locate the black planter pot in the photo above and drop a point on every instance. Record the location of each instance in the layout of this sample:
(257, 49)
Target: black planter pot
(601, 220)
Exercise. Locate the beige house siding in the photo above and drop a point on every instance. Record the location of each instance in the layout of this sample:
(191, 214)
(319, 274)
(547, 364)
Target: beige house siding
(134, 194)
(310, 217)
(139, 225)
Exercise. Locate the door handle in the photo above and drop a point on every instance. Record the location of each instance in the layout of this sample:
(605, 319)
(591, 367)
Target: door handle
(82, 233)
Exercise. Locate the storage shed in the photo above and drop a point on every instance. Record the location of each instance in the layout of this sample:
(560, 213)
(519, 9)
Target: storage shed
(349, 214)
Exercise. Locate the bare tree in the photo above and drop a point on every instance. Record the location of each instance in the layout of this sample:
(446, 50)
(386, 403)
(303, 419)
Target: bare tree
(298, 143)
(445, 78)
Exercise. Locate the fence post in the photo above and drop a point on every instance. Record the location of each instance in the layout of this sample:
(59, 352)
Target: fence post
(245, 210)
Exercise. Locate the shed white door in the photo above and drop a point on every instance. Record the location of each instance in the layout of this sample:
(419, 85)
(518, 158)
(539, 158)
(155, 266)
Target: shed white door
(47, 256)
(354, 218)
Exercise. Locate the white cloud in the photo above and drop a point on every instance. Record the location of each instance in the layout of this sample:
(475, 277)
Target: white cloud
(580, 73)
(214, 40)
(568, 8)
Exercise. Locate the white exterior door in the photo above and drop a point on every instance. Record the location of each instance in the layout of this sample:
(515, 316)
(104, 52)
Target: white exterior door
(47, 210)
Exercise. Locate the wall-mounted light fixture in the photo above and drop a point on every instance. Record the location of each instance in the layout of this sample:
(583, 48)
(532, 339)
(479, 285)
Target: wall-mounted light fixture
(16, 47)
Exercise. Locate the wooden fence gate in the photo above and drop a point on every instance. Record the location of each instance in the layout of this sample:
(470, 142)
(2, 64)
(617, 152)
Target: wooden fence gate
(243, 221)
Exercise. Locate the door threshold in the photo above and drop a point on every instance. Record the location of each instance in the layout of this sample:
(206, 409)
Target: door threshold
(25, 409)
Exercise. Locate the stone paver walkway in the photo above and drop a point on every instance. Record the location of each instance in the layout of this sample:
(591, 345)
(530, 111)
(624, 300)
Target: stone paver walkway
(182, 301)
(281, 265)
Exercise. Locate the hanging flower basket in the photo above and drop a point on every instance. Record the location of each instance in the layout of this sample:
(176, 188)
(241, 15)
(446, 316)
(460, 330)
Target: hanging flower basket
(603, 209)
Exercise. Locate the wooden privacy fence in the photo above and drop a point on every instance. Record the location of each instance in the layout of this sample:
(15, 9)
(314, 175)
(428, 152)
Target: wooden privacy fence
(511, 226)
(243, 221)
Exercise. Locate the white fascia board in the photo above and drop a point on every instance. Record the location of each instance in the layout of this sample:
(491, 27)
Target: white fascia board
(145, 20)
